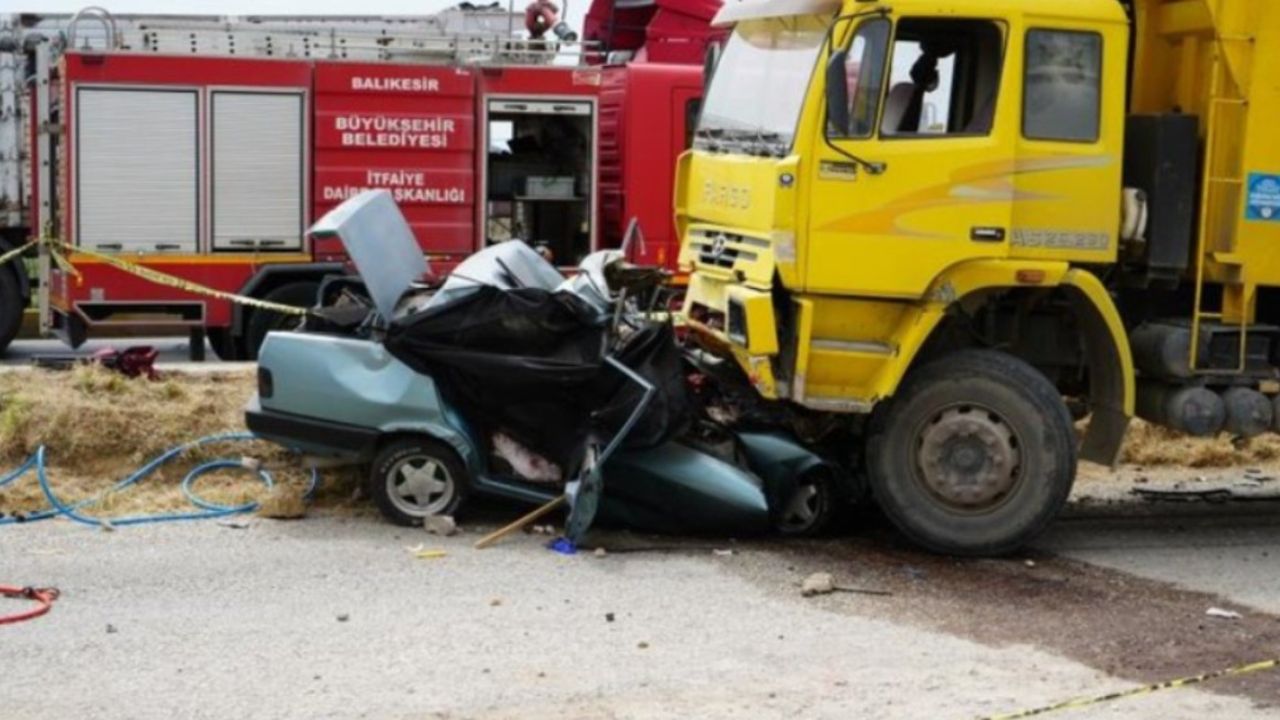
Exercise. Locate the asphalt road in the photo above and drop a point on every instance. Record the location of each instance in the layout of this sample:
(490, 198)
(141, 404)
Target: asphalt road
(1233, 554)
(332, 617)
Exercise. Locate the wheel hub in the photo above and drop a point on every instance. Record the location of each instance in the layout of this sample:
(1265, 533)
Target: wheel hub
(420, 486)
(969, 457)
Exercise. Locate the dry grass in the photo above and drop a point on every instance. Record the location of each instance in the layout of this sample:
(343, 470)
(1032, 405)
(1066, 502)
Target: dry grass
(1152, 446)
(98, 426)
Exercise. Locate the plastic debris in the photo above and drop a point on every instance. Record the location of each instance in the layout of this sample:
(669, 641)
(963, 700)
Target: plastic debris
(722, 553)
(600, 552)
(564, 546)
(234, 524)
(1222, 613)
(423, 552)
(343, 617)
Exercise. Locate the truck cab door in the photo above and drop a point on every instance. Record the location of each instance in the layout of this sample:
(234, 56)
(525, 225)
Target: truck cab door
(916, 169)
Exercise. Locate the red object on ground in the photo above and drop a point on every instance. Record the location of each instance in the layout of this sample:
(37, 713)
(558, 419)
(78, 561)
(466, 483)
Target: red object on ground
(44, 596)
(131, 362)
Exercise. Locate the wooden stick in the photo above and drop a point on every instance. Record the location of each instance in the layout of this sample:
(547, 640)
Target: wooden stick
(502, 532)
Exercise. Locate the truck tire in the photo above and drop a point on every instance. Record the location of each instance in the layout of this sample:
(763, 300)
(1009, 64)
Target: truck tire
(261, 322)
(225, 345)
(11, 308)
(975, 455)
(414, 477)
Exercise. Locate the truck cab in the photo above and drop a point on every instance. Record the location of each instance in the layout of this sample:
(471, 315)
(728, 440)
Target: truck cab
(956, 224)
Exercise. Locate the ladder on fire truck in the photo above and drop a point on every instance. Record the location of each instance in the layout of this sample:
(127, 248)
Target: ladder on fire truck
(466, 34)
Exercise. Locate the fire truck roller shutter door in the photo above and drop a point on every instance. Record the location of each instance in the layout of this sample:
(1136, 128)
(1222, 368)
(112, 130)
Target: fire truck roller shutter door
(137, 167)
(257, 169)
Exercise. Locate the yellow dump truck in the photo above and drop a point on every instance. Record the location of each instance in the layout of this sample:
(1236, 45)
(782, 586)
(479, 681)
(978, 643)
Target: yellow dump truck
(960, 226)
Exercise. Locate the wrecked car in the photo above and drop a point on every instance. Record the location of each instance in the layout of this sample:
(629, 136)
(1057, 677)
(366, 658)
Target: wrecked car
(510, 379)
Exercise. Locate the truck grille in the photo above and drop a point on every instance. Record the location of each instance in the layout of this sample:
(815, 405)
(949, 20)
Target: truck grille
(722, 249)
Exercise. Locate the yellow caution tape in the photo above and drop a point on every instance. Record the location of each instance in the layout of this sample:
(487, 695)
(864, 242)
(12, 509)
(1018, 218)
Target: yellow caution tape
(57, 246)
(6, 257)
(1144, 690)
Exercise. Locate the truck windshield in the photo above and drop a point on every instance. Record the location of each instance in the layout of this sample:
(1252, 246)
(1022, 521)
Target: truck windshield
(753, 104)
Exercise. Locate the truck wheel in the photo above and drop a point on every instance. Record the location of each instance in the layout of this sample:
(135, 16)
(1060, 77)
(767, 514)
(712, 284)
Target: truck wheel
(974, 455)
(10, 308)
(261, 322)
(412, 478)
(225, 345)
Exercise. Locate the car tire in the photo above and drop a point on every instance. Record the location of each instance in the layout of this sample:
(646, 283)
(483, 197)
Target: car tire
(975, 455)
(11, 306)
(412, 478)
(809, 510)
(261, 322)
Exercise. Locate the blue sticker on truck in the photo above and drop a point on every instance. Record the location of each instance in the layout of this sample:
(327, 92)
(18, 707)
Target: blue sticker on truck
(1263, 202)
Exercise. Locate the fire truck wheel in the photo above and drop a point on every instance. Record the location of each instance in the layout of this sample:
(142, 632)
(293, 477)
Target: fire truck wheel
(225, 345)
(975, 455)
(261, 322)
(10, 308)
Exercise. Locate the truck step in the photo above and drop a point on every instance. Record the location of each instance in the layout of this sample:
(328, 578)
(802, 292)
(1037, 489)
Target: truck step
(855, 347)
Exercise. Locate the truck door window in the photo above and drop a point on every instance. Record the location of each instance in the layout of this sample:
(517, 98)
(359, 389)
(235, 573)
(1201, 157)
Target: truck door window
(1063, 86)
(864, 77)
(945, 78)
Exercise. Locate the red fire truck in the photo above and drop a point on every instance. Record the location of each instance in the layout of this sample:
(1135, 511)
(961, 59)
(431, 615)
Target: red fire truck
(204, 147)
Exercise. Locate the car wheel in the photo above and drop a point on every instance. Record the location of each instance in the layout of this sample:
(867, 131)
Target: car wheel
(261, 322)
(808, 510)
(975, 454)
(413, 478)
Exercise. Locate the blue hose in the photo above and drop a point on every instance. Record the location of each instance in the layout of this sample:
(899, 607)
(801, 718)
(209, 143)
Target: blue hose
(207, 508)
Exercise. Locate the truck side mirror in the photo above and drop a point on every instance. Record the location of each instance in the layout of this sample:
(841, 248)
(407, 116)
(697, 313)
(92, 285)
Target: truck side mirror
(837, 94)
